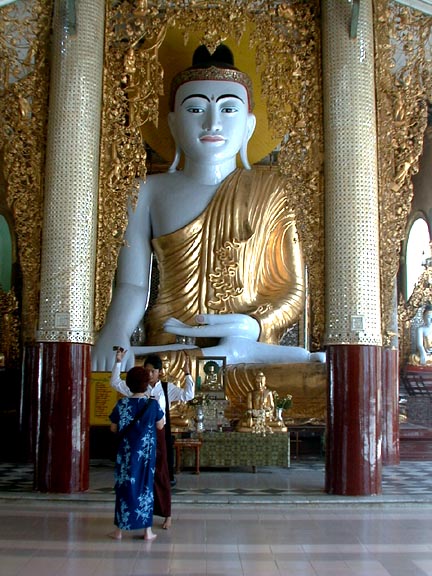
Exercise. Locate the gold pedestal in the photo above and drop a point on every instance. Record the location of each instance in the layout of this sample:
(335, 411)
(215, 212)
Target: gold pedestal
(306, 382)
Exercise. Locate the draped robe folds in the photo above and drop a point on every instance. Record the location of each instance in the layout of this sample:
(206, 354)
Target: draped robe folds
(414, 359)
(241, 255)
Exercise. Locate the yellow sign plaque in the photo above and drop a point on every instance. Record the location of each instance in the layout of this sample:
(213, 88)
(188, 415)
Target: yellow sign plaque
(103, 398)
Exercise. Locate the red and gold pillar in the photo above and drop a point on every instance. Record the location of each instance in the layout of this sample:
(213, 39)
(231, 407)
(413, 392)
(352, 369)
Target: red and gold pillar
(390, 390)
(353, 318)
(68, 248)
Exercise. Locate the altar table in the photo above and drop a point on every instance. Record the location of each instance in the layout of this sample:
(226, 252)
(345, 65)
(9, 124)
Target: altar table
(193, 443)
(301, 432)
(232, 449)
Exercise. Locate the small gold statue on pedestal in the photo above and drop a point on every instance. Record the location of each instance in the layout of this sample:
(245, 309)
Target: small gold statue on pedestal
(211, 380)
(259, 408)
(180, 416)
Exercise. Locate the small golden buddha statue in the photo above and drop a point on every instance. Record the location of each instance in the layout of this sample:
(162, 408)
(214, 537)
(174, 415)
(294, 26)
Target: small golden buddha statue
(165, 373)
(211, 379)
(259, 407)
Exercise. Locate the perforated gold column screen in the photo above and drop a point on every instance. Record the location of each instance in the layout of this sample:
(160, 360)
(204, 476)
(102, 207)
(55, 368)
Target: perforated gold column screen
(351, 187)
(70, 211)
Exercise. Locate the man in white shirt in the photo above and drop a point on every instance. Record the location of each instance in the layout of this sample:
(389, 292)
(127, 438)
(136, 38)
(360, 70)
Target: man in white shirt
(175, 394)
(164, 392)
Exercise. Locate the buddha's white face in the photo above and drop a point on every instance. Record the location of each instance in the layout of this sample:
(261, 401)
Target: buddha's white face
(211, 121)
(427, 317)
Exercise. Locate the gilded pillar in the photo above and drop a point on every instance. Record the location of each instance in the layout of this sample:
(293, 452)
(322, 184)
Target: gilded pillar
(353, 318)
(68, 246)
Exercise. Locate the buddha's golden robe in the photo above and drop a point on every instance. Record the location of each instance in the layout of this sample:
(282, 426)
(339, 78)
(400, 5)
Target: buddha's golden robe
(241, 255)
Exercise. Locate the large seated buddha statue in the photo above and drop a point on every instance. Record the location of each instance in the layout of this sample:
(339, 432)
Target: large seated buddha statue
(423, 355)
(230, 262)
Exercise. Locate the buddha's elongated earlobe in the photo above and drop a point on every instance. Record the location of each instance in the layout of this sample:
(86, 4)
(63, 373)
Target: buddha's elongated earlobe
(251, 123)
(176, 160)
(177, 155)
(243, 156)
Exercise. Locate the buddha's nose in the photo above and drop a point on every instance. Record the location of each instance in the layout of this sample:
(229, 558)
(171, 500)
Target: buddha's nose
(212, 119)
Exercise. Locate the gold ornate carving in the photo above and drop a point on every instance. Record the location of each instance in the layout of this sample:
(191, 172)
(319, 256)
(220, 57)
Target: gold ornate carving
(9, 328)
(224, 276)
(132, 83)
(421, 294)
(24, 41)
(286, 42)
(403, 82)
(407, 311)
(301, 155)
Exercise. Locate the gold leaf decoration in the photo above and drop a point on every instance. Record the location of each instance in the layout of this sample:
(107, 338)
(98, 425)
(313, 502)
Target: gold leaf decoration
(403, 86)
(24, 44)
(9, 328)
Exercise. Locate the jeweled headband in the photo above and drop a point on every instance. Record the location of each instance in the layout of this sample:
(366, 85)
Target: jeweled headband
(212, 68)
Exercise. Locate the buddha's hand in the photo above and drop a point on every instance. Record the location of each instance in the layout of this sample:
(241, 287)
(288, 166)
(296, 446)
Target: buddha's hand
(107, 349)
(216, 326)
(174, 326)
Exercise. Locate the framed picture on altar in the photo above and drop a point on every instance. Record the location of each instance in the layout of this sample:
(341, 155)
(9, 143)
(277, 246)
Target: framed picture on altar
(210, 376)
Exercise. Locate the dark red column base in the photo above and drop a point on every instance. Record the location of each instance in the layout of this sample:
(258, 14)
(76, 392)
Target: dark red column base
(29, 412)
(353, 455)
(62, 431)
(390, 402)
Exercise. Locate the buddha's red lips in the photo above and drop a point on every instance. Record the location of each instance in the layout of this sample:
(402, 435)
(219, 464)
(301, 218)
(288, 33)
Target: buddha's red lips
(212, 139)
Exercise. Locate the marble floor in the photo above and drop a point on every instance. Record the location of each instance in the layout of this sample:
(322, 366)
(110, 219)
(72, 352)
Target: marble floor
(274, 522)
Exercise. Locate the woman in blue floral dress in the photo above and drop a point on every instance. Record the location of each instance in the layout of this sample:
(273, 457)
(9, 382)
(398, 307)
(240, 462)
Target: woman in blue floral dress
(135, 419)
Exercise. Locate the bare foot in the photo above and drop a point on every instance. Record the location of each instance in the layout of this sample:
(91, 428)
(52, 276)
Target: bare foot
(149, 535)
(167, 523)
(116, 535)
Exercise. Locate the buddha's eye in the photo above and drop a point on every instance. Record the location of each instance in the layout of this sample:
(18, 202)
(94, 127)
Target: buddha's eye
(229, 109)
(195, 109)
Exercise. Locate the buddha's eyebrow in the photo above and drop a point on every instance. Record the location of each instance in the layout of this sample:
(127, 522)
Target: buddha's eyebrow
(229, 96)
(196, 96)
(221, 97)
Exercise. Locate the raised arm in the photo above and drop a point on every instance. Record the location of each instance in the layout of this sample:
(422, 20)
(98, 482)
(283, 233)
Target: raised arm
(185, 393)
(116, 381)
